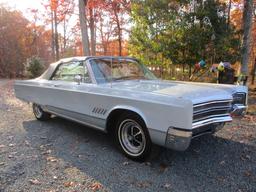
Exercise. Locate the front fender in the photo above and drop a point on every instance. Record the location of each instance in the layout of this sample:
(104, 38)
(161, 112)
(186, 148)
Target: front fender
(130, 108)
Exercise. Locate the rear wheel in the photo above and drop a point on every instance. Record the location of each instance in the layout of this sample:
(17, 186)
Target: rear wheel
(132, 137)
(39, 113)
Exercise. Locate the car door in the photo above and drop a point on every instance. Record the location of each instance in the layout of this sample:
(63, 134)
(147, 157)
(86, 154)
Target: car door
(69, 98)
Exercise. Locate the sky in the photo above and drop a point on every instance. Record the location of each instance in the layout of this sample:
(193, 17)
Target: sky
(23, 5)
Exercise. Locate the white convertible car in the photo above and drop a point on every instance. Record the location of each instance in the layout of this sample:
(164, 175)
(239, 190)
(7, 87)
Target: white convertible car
(121, 96)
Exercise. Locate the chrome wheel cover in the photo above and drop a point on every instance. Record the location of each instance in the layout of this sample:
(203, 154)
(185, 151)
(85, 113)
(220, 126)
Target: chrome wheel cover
(37, 111)
(131, 137)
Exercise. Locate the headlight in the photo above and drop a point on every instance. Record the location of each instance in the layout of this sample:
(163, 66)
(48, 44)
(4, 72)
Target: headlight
(239, 98)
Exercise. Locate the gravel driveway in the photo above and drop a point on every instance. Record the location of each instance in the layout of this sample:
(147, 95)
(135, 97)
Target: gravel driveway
(59, 155)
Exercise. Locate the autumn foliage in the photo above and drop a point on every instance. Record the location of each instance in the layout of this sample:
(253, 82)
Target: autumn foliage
(20, 40)
(158, 32)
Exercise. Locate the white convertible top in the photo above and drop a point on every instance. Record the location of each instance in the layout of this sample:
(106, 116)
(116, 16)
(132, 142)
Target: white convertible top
(48, 73)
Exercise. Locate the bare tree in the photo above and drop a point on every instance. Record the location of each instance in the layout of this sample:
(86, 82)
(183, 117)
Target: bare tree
(92, 30)
(52, 35)
(247, 27)
(116, 8)
(84, 29)
(56, 35)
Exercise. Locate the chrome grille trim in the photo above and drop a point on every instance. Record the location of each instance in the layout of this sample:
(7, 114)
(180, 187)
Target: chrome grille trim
(211, 121)
(211, 112)
(211, 116)
(228, 107)
(213, 102)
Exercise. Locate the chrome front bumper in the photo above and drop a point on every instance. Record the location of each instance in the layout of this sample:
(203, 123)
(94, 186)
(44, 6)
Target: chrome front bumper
(180, 139)
(238, 110)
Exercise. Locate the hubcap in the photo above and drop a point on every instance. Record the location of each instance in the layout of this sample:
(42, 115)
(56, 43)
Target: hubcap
(37, 111)
(132, 137)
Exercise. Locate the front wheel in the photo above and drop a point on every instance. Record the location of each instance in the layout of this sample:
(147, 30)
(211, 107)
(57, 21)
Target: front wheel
(132, 137)
(39, 113)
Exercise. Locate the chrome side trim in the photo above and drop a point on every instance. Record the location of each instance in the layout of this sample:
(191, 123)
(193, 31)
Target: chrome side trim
(87, 120)
(226, 118)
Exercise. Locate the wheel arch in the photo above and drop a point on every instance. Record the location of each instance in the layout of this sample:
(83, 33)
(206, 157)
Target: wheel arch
(117, 111)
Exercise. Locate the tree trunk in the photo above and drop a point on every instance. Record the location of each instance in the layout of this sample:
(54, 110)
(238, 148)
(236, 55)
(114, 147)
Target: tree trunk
(56, 36)
(247, 26)
(229, 10)
(84, 29)
(53, 44)
(253, 71)
(119, 31)
(92, 30)
(64, 36)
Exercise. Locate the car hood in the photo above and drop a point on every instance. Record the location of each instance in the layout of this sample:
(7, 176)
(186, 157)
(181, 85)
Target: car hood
(197, 93)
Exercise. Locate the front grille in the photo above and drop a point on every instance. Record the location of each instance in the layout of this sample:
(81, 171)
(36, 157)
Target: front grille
(211, 109)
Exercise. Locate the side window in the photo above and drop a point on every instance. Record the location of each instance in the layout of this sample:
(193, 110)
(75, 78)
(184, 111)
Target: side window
(68, 71)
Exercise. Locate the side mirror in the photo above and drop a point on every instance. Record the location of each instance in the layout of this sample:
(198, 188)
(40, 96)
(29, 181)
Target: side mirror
(78, 79)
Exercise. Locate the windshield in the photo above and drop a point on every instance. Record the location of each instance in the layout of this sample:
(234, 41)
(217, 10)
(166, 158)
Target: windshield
(122, 69)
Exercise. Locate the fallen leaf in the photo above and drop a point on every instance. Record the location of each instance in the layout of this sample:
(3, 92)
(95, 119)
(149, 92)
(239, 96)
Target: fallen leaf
(11, 145)
(167, 186)
(69, 184)
(51, 159)
(34, 182)
(245, 157)
(2, 163)
(126, 163)
(46, 152)
(248, 173)
(27, 143)
(221, 179)
(144, 184)
(163, 167)
(222, 162)
(55, 177)
(197, 150)
(43, 137)
(10, 156)
(95, 186)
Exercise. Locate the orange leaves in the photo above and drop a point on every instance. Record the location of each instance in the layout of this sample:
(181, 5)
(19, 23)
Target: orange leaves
(54, 5)
(95, 186)
(69, 184)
